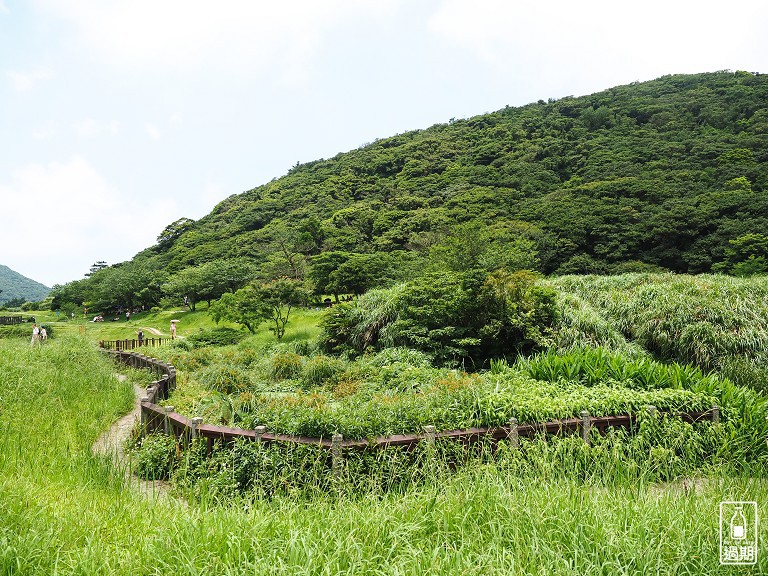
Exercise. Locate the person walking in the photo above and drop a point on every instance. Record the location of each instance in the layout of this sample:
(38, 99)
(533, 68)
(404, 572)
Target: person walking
(173, 330)
(43, 334)
(35, 334)
(141, 337)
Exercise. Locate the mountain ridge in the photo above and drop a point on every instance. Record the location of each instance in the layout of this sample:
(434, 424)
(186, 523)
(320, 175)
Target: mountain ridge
(15, 286)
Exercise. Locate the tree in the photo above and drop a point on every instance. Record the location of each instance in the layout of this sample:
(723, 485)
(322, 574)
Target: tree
(171, 232)
(244, 307)
(256, 303)
(745, 256)
(278, 299)
(96, 266)
(194, 283)
(463, 248)
(322, 266)
(359, 273)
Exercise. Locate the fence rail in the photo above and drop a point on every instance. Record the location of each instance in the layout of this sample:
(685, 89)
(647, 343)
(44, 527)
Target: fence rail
(156, 418)
(11, 320)
(132, 344)
(159, 389)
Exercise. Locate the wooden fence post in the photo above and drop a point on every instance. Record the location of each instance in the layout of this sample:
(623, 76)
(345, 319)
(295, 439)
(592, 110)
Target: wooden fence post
(514, 435)
(586, 426)
(336, 457)
(196, 421)
(715, 414)
(429, 435)
(166, 421)
(259, 430)
(143, 415)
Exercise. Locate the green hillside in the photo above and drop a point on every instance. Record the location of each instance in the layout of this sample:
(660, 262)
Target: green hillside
(15, 287)
(662, 175)
(665, 172)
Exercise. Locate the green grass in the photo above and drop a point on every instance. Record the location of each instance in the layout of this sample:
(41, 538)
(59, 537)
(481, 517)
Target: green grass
(303, 325)
(64, 511)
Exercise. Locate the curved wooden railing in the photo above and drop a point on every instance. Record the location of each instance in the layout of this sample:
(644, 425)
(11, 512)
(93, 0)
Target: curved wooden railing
(163, 419)
(132, 344)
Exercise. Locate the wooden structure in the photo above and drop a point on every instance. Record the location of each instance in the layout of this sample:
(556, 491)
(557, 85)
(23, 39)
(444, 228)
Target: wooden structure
(132, 344)
(156, 418)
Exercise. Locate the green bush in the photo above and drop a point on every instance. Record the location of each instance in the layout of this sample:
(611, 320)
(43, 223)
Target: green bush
(321, 370)
(452, 317)
(155, 457)
(223, 336)
(226, 379)
(285, 365)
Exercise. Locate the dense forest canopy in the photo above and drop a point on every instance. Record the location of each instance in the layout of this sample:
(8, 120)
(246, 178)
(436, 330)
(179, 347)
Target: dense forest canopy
(667, 174)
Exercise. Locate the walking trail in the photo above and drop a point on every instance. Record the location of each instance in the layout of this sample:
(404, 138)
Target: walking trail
(112, 442)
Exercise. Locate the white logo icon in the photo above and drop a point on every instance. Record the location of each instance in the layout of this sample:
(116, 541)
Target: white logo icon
(738, 533)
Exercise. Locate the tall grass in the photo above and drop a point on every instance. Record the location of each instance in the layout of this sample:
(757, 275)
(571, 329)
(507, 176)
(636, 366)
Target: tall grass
(64, 511)
(715, 322)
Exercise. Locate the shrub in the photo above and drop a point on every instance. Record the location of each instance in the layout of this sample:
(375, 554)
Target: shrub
(224, 378)
(155, 457)
(223, 336)
(285, 365)
(321, 370)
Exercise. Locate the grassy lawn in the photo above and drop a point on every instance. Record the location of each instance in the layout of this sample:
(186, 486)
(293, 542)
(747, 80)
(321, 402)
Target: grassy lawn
(65, 511)
(302, 325)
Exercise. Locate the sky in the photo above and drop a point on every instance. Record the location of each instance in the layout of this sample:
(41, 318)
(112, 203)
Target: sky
(119, 117)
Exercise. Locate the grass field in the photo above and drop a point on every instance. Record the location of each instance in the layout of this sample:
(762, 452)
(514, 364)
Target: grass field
(65, 511)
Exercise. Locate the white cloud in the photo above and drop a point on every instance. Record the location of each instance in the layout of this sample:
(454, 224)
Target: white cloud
(602, 41)
(77, 217)
(4, 8)
(153, 131)
(90, 128)
(25, 81)
(192, 35)
(45, 133)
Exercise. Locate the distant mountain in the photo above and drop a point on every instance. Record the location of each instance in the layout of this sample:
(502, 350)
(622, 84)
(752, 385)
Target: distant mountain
(15, 286)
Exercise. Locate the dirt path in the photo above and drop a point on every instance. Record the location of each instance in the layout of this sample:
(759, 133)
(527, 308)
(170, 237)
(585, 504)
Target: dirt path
(112, 442)
(154, 331)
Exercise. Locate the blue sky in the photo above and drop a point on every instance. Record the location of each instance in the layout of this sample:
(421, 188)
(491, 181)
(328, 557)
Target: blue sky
(118, 117)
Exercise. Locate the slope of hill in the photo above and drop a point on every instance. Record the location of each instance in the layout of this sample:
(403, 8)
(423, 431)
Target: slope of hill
(664, 172)
(669, 174)
(14, 286)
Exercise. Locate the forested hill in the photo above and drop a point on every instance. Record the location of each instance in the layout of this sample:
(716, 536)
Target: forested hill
(15, 288)
(668, 174)
(665, 172)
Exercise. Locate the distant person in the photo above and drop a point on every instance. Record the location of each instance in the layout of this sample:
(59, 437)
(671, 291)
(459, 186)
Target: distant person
(141, 337)
(173, 330)
(43, 334)
(127, 315)
(35, 334)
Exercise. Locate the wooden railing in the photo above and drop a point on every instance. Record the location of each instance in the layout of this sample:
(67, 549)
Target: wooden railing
(11, 320)
(157, 418)
(159, 389)
(163, 419)
(133, 344)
